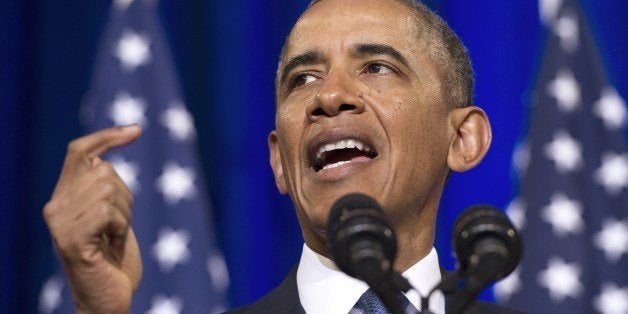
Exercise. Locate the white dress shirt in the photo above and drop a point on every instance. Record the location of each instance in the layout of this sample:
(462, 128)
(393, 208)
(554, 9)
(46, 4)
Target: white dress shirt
(324, 289)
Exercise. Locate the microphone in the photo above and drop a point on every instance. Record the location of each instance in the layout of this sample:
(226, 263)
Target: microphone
(483, 231)
(488, 248)
(363, 245)
(361, 240)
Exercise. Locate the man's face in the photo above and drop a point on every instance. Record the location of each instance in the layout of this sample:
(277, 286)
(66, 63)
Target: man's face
(359, 109)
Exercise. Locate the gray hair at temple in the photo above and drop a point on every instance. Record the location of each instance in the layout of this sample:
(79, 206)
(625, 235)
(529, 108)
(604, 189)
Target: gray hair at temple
(445, 49)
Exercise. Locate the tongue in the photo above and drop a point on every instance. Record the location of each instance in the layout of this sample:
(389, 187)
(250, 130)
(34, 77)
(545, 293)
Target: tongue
(354, 155)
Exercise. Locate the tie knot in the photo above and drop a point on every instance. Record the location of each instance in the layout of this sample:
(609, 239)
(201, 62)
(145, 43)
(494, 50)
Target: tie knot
(370, 303)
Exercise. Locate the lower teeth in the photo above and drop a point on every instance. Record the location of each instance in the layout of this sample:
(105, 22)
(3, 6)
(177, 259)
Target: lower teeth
(334, 165)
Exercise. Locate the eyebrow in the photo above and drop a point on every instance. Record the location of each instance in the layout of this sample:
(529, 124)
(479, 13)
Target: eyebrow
(307, 58)
(364, 50)
(359, 50)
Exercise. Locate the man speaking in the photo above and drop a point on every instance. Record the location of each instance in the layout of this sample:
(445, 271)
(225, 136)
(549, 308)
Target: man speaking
(373, 96)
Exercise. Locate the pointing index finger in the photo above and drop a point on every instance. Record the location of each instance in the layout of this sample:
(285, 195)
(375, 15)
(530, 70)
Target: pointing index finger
(100, 142)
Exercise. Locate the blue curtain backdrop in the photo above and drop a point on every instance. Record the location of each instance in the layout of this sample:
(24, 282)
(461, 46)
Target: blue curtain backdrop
(226, 53)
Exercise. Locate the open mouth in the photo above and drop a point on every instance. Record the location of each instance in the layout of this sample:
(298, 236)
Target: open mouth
(337, 153)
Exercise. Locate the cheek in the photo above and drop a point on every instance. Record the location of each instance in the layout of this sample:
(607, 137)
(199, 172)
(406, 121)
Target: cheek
(290, 118)
(297, 101)
(290, 130)
(418, 125)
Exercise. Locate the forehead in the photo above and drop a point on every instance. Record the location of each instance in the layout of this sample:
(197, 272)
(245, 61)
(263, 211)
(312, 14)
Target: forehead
(340, 24)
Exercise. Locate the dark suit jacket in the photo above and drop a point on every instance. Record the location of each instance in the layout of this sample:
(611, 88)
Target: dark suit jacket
(285, 299)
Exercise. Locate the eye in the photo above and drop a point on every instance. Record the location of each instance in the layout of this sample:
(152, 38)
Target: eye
(303, 79)
(377, 68)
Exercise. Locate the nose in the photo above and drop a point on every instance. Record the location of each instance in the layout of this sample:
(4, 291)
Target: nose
(336, 95)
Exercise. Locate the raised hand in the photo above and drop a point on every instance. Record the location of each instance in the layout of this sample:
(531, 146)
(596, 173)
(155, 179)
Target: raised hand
(89, 218)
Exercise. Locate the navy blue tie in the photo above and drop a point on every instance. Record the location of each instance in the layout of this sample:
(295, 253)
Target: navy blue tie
(370, 303)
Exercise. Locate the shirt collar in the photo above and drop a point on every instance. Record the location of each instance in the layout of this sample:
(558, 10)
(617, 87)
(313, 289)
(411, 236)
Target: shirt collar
(319, 279)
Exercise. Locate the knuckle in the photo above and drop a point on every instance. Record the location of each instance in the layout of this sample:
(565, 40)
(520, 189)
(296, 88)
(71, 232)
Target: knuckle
(65, 243)
(49, 210)
(105, 169)
(85, 255)
(107, 188)
(75, 146)
(72, 248)
(60, 244)
(104, 209)
(125, 210)
(53, 208)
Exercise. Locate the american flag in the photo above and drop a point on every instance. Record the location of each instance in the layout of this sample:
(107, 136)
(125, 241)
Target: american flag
(573, 170)
(135, 82)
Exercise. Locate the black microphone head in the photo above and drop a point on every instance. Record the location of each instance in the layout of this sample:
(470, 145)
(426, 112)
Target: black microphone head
(351, 202)
(355, 219)
(482, 222)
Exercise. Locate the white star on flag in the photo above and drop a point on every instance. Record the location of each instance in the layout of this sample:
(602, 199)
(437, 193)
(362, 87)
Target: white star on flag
(50, 297)
(613, 174)
(126, 110)
(179, 122)
(521, 158)
(565, 151)
(566, 28)
(122, 5)
(176, 183)
(161, 304)
(133, 50)
(561, 279)
(516, 211)
(508, 286)
(218, 272)
(566, 90)
(548, 10)
(127, 170)
(613, 239)
(611, 108)
(612, 300)
(171, 248)
(564, 214)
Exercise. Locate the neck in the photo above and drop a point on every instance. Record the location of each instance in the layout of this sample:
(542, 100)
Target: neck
(413, 243)
(316, 243)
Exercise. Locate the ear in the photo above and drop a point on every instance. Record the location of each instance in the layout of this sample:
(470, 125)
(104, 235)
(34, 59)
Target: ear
(470, 138)
(275, 162)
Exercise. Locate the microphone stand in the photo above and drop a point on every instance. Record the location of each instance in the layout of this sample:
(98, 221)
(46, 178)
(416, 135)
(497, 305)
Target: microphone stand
(447, 285)
(479, 275)
(389, 287)
(474, 280)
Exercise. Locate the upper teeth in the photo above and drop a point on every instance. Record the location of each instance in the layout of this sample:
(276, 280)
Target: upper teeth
(342, 144)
